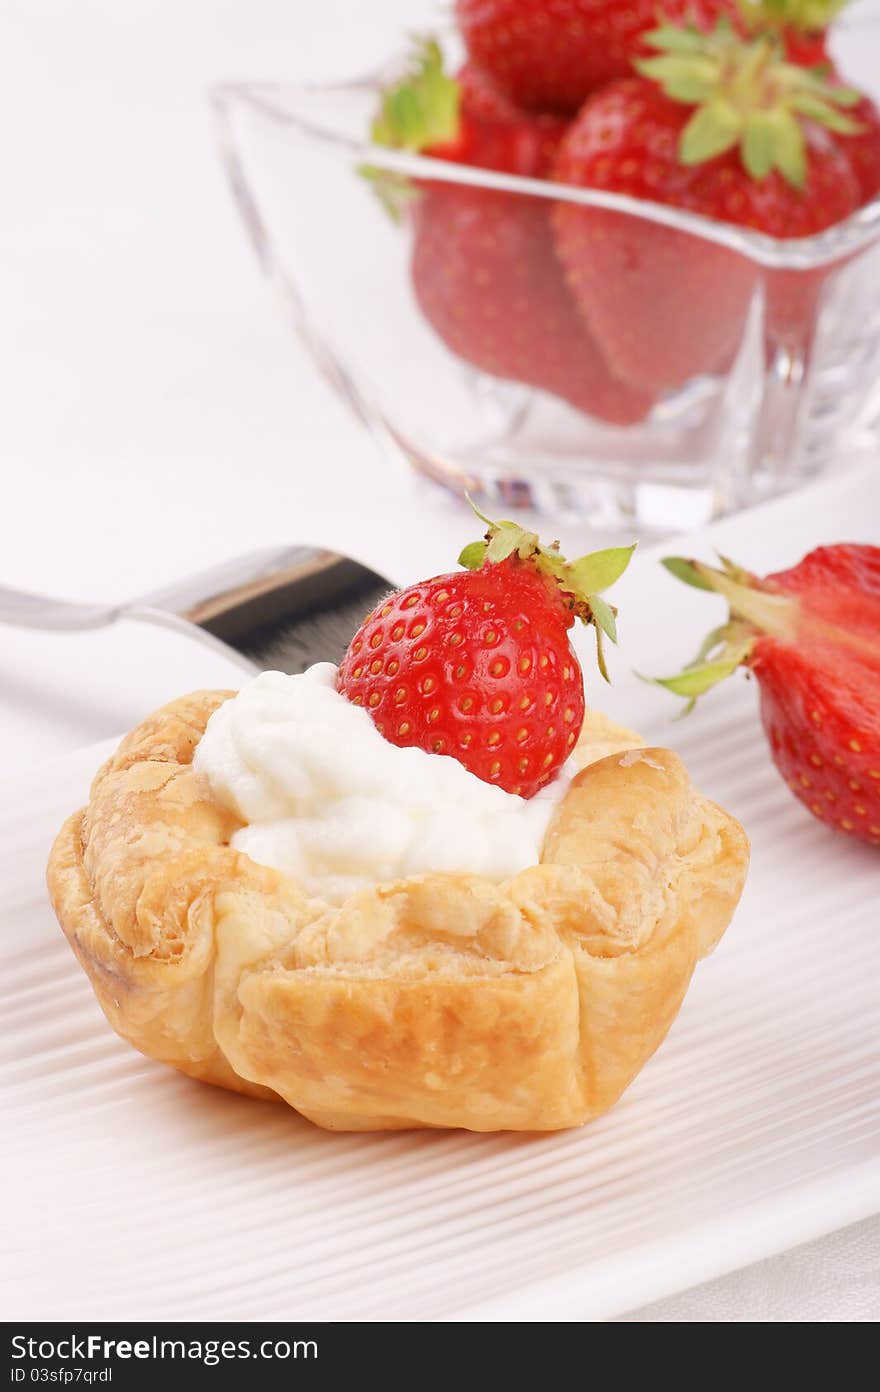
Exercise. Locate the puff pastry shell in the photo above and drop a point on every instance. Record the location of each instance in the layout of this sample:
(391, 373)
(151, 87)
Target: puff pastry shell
(442, 1000)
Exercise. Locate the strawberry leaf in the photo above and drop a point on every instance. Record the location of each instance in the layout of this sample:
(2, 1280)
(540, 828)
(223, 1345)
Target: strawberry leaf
(789, 147)
(711, 641)
(509, 538)
(604, 616)
(758, 145)
(473, 556)
(481, 515)
(696, 681)
(600, 656)
(808, 104)
(686, 571)
(686, 709)
(683, 80)
(847, 96)
(423, 108)
(712, 130)
(597, 572)
(394, 191)
(668, 38)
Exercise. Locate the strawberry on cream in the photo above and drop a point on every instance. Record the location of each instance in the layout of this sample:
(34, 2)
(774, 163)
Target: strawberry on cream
(326, 799)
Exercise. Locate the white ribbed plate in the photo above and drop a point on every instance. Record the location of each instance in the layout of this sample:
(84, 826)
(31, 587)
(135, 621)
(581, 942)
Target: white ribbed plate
(136, 1193)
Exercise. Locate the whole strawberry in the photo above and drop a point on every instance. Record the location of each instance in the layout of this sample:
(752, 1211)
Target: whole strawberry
(714, 125)
(551, 54)
(811, 636)
(485, 276)
(484, 271)
(495, 133)
(478, 664)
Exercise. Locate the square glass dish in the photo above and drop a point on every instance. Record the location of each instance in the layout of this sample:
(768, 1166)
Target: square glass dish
(781, 376)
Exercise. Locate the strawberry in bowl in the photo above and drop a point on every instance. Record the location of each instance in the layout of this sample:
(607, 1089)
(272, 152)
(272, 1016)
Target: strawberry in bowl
(724, 128)
(484, 271)
(551, 54)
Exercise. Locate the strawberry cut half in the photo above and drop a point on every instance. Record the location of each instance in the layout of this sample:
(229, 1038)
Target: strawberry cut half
(811, 637)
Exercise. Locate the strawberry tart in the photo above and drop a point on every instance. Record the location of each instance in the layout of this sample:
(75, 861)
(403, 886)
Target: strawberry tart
(427, 888)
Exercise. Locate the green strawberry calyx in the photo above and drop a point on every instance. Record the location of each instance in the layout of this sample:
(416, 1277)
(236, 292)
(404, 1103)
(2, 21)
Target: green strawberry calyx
(581, 583)
(422, 108)
(746, 97)
(755, 612)
(803, 16)
(421, 111)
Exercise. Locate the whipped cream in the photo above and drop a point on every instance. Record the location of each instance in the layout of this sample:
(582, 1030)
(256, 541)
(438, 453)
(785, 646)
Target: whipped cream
(328, 800)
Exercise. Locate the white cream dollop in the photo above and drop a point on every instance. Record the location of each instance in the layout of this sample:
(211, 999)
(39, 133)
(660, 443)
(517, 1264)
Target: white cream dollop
(327, 799)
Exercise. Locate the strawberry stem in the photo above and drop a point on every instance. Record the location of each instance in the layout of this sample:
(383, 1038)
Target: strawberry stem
(580, 582)
(767, 613)
(755, 612)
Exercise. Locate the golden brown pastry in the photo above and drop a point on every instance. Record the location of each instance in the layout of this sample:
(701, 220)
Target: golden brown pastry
(439, 1000)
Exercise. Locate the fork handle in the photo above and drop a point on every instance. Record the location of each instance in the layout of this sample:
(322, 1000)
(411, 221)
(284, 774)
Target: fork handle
(39, 611)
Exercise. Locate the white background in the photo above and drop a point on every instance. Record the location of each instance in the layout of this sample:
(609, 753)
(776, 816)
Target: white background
(157, 414)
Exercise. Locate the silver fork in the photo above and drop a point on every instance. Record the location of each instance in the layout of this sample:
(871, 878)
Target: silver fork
(226, 606)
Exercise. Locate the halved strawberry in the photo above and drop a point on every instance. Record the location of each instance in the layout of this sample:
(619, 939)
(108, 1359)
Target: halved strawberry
(811, 636)
(478, 664)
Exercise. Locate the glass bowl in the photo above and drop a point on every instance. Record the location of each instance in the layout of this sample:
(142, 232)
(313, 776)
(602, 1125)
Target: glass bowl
(488, 389)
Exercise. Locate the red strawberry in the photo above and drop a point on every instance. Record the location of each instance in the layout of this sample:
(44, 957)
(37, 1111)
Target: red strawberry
(486, 278)
(551, 54)
(498, 135)
(808, 49)
(484, 269)
(478, 664)
(665, 306)
(811, 636)
(464, 119)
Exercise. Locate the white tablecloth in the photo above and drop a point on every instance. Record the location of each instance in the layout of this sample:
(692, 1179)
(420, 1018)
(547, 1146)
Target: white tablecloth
(158, 415)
